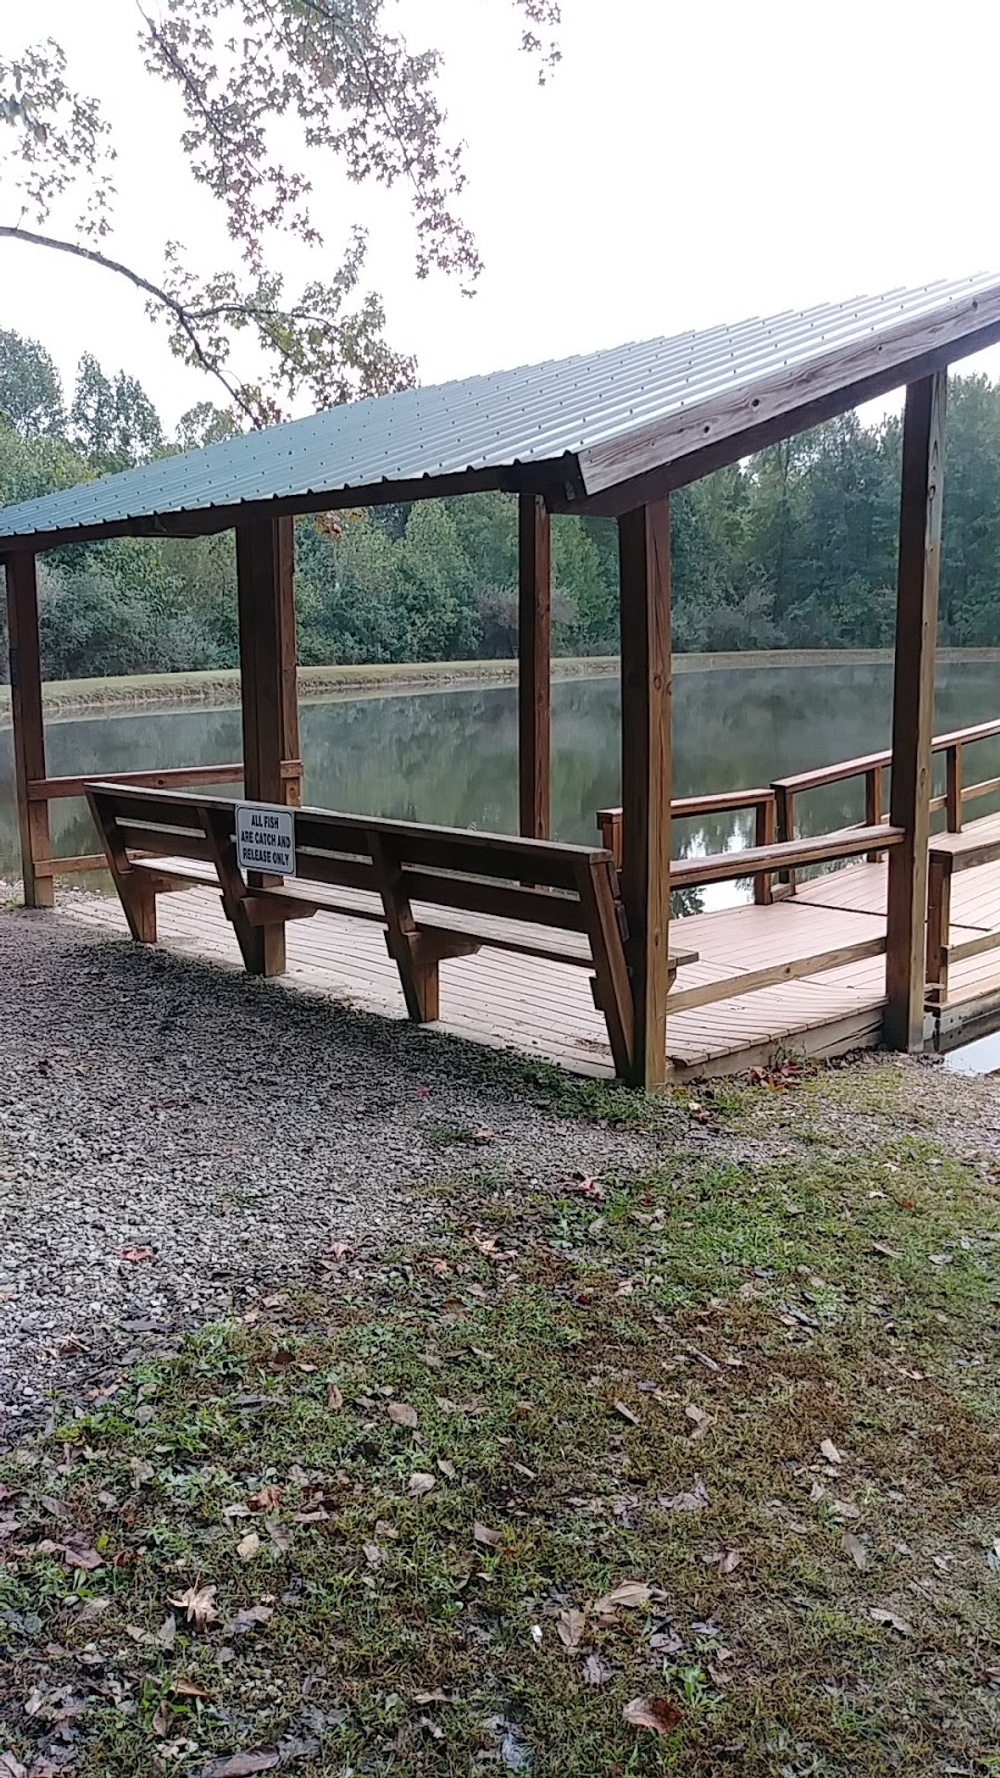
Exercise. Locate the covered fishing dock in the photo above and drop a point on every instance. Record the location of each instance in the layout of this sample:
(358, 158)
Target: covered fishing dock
(568, 953)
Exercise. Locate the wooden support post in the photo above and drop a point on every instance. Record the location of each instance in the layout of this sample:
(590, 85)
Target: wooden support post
(644, 567)
(534, 667)
(29, 728)
(913, 708)
(265, 556)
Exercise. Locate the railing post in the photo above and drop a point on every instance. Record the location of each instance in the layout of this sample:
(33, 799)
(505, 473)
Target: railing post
(873, 806)
(953, 788)
(913, 709)
(609, 822)
(784, 811)
(29, 729)
(763, 835)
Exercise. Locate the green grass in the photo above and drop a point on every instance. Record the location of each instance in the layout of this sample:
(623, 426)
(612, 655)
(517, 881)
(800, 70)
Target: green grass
(577, 1361)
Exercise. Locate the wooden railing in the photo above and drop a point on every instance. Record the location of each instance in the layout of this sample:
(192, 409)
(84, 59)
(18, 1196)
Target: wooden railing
(758, 861)
(725, 802)
(949, 854)
(872, 768)
(44, 790)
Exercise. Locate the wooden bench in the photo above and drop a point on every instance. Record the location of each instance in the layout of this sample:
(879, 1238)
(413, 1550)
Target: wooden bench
(439, 892)
(950, 853)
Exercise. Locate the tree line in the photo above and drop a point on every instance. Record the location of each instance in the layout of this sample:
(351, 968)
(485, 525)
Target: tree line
(795, 547)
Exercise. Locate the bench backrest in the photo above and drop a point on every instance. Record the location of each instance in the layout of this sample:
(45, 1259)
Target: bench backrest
(499, 875)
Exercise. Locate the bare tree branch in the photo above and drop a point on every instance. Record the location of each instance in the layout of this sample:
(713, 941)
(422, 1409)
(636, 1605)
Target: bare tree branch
(154, 291)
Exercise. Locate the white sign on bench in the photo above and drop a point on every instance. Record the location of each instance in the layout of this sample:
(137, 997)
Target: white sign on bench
(265, 839)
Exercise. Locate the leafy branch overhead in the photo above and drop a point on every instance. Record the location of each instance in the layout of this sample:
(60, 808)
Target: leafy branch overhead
(246, 70)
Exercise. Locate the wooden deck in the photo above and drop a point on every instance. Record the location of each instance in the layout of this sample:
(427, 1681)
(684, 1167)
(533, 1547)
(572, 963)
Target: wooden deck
(544, 1008)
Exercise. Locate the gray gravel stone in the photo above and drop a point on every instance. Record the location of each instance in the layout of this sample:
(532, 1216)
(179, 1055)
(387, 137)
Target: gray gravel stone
(236, 1128)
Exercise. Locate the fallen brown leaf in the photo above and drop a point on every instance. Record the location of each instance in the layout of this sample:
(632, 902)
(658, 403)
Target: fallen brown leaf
(265, 1499)
(241, 1765)
(622, 1408)
(690, 1501)
(570, 1626)
(86, 1559)
(280, 1536)
(483, 1534)
(596, 1670)
(248, 1619)
(652, 1713)
(702, 1421)
(334, 1398)
(162, 1718)
(632, 1594)
(186, 1688)
(198, 1605)
(401, 1414)
(725, 1561)
(853, 1547)
(421, 1482)
(892, 1619)
(830, 1451)
(248, 1547)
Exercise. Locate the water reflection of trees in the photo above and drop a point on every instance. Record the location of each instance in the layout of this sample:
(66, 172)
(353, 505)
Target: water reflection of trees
(451, 756)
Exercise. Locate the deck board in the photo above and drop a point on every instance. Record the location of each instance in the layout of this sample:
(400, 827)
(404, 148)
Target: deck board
(543, 1008)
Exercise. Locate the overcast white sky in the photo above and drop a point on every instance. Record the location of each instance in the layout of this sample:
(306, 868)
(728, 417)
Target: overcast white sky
(687, 164)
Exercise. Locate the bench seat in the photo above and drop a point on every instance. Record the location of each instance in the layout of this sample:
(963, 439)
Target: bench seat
(439, 892)
(364, 904)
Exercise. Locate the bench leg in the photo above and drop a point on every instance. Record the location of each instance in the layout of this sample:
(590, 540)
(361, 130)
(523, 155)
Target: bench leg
(261, 947)
(611, 987)
(135, 892)
(417, 956)
(419, 976)
(138, 899)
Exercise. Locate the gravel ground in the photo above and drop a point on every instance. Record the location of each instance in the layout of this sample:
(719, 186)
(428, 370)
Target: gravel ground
(237, 1129)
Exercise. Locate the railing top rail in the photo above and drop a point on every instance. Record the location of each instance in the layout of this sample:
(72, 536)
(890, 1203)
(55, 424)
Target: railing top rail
(725, 867)
(980, 731)
(868, 762)
(845, 768)
(716, 803)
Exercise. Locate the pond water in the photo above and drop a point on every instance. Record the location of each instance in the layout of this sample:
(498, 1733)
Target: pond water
(451, 756)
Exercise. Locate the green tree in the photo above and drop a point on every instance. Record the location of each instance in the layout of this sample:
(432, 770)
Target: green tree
(112, 421)
(31, 397)
(970, 552)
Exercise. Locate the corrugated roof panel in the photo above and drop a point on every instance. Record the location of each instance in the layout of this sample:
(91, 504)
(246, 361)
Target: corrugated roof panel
(587, 409)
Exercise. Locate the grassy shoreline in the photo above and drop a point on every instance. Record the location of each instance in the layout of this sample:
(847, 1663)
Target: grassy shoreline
(221, 685)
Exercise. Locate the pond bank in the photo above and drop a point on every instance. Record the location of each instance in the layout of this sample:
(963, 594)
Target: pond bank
(221, 686)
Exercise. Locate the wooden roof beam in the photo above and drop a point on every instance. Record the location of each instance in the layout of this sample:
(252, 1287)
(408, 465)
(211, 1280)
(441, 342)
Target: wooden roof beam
(694, 460)
(550, 479)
